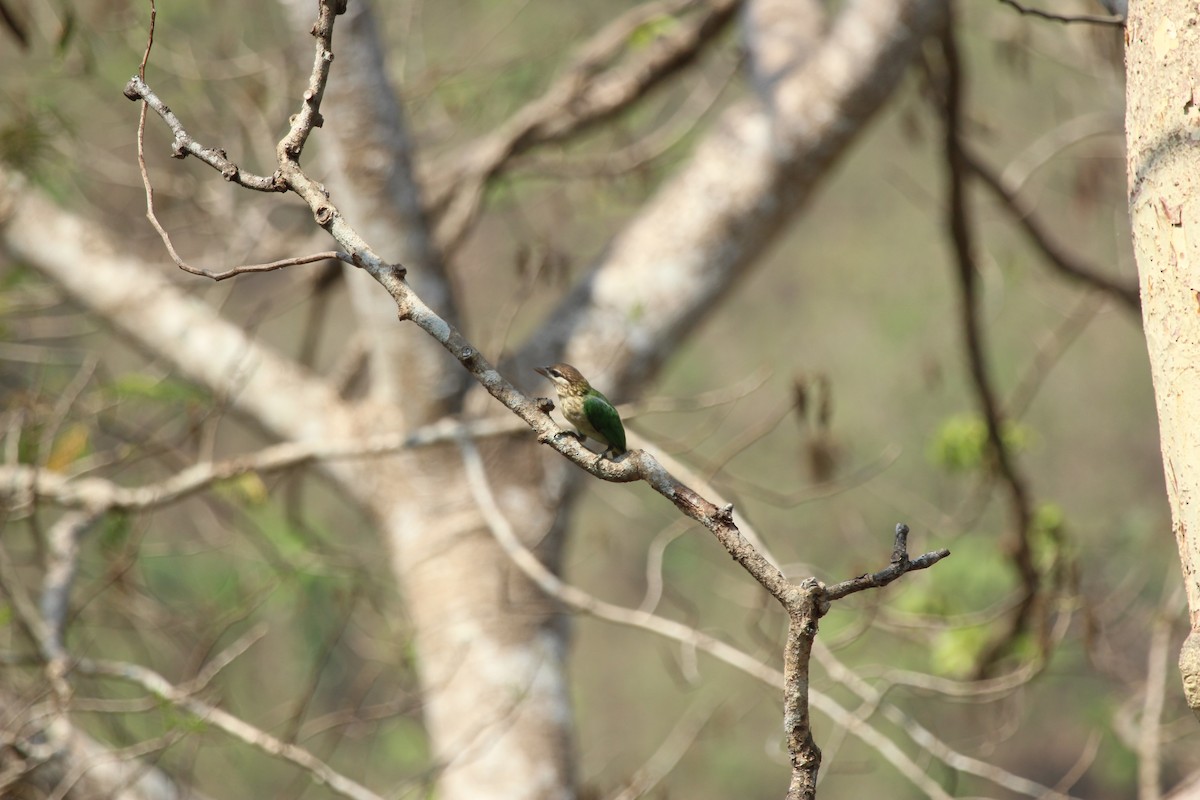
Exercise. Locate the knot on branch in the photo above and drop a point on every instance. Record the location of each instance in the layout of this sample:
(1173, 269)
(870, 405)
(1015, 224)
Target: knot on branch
(815, 596)
(131, 89)
(725, 514)
(544, 404)
(230, 172)
(324, 215)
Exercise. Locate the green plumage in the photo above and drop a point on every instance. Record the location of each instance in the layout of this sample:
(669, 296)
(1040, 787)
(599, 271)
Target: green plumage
(589, 411)
(605, 421)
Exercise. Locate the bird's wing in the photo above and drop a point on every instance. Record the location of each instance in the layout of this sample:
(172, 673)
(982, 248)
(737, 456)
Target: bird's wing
(604, 418)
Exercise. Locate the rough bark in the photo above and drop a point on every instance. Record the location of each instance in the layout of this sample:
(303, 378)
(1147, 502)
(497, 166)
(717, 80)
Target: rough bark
(1163, 126)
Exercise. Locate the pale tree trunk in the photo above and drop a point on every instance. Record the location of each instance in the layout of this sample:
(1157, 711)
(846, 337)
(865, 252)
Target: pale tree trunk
(1163, 128)
(491, 648)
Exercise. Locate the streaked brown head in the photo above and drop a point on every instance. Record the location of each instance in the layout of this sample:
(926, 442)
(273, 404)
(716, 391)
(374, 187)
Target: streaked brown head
(566, 378)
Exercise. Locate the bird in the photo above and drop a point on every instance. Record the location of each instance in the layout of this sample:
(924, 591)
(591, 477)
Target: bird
(593, 416)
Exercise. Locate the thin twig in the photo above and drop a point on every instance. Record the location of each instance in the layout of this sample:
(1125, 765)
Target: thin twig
(900, 565)
(1094, 19)
(184, 145)
(667, 756)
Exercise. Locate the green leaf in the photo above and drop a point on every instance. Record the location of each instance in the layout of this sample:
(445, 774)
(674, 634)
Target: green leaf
(651, 30)
(138, 385)
(960, 444)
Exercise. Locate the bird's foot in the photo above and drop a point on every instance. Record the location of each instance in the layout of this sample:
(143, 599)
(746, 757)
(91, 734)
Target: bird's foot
(579, 437)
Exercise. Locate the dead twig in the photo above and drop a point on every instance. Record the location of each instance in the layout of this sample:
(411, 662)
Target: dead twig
(1094, 19)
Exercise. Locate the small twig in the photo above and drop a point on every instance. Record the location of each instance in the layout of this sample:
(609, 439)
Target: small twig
(184, 145)
(900, 565)
(1094, 19)
(224, 658)
(673, 747)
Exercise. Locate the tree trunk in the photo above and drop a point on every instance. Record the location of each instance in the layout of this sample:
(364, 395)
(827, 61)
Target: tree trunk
(1163, 125)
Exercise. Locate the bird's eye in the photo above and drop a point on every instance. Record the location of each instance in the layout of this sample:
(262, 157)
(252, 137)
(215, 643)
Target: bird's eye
(555, 373)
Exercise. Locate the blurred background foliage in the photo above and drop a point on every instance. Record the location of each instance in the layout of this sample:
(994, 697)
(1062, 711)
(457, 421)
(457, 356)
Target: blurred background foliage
(854, 311)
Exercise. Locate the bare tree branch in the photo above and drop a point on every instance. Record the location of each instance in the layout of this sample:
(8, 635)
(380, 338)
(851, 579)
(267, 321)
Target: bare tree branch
(590, 90)
(1021, 212)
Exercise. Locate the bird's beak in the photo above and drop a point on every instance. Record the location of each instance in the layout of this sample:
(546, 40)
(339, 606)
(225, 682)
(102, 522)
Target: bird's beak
(543, 371)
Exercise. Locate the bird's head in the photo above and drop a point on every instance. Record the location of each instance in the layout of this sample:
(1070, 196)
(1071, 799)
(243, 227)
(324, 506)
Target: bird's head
(566, 379)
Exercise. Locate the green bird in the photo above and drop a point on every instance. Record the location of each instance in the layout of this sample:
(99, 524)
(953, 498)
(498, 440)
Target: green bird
(589, 411)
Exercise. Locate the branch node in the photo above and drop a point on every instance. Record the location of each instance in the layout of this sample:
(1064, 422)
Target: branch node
(131, 90)
(230, 172)
(324, 215)
(544, 404)
(725, 514)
